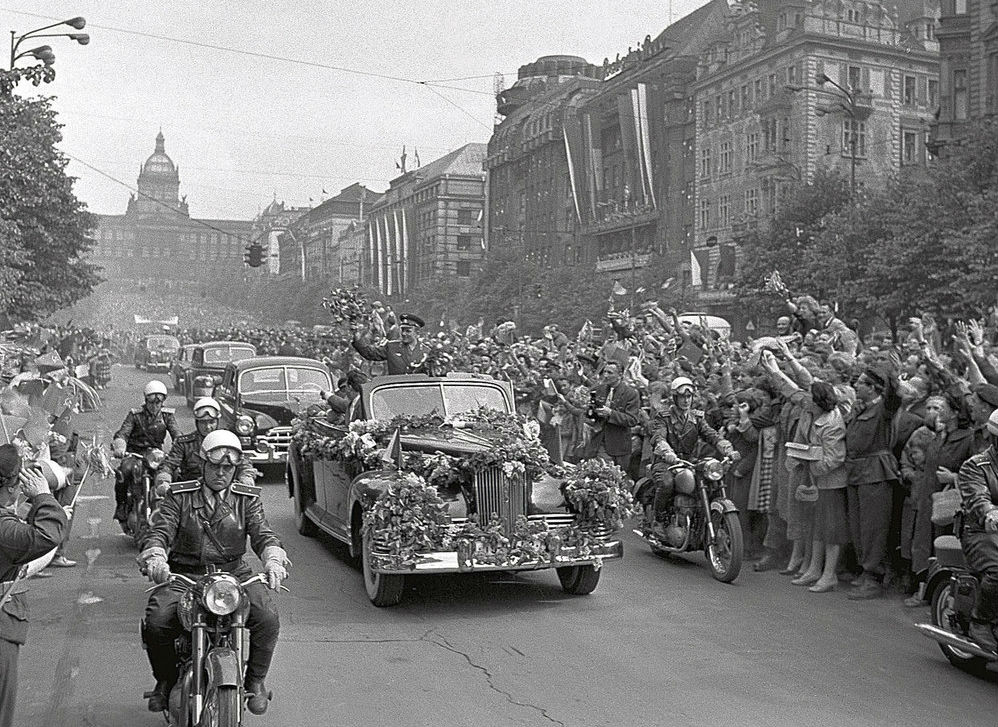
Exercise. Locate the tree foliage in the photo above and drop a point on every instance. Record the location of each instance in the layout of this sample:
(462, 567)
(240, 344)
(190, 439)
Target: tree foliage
(44, 228)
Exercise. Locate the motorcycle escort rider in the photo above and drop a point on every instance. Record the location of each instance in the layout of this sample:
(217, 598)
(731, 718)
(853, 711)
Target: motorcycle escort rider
(144, 428)
(202, 524)
(978, 483)
(184, 460)
(676, 432)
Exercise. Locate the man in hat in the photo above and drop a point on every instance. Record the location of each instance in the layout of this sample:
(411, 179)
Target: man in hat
(403, 356)
(20, 543)
(981, 401)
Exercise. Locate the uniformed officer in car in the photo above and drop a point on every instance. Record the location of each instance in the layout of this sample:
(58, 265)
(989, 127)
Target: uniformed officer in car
(404, 356)
(144, 428)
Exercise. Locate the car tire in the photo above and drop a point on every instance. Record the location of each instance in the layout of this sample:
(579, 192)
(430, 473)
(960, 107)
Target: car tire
(302, 521)
(579, 580)
(382, 589)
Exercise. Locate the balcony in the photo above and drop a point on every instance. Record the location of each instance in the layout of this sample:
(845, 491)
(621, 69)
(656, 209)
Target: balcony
(621, 219)
(617, 261)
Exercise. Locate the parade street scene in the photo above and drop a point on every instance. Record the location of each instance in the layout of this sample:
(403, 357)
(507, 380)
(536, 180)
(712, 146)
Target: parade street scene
(508, 363)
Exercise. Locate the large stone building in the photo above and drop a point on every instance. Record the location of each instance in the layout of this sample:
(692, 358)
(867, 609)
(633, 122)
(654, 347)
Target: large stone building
(794, 86)
(428, 224)
(968, 74)
(536, 189)
(268, 228)
(157, 245)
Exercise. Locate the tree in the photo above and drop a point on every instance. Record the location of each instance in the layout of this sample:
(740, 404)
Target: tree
(44, 228)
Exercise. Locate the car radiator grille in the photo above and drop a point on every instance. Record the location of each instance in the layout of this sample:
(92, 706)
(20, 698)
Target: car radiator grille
(497, 495)
(278, 437)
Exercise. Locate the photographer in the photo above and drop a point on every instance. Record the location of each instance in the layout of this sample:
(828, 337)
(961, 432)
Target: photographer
(20, 543)
(614, 408)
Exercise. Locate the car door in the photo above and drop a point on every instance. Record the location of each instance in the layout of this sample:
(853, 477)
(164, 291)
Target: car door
(225, 395)
(332, 489)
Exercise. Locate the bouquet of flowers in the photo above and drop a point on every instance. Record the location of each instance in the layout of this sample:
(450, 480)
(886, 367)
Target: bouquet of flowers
(598, 492)
(775, 284)
(348, 305)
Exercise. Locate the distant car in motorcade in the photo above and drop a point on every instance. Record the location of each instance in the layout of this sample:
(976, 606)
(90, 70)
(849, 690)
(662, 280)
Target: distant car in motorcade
(260, 397)
(156, 352)
(711, 322)
(182, 362)
(208, 362)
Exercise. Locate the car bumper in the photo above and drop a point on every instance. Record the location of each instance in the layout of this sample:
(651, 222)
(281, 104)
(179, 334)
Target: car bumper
(265, 454)
(447, 561)
(157, 365)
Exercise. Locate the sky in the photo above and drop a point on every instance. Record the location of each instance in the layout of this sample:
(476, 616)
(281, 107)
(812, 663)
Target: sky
(251, 126)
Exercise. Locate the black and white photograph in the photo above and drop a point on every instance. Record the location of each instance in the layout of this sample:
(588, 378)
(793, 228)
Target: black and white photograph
(499, 363)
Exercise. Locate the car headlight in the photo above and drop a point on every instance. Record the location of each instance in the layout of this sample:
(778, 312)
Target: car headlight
(713, 470)
(244, 425)
(222, 596)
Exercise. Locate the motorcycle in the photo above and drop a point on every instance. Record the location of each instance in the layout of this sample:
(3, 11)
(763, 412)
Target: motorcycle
(212, 652)
(951, 588)
(143, 497)
(701, 517)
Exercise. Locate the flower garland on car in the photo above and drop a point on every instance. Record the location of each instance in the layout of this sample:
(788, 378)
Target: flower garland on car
(407, 518)
(597, 491)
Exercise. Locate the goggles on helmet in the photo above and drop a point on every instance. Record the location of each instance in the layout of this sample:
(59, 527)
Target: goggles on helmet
(155, 398)
(206, 412)
(224, 455)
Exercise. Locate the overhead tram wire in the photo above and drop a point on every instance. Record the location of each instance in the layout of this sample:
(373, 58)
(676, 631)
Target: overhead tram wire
(460, 108)
(266, 56)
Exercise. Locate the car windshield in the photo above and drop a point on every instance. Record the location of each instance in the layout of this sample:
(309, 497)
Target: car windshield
(283, 379)
(446, 400)
(224, 354)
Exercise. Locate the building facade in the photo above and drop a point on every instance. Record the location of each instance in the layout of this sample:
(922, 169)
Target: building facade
(794, 86)
(535, 193)
(428, 224)
(268, 227)
(157, 245)
(968, 73)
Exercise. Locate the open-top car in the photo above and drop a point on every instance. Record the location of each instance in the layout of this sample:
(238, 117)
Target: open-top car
(208, 361)
(179, 367)
(156, 352)
(439, 475)
(261, 396)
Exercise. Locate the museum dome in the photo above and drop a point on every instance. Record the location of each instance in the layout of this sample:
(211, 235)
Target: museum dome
(159, 164)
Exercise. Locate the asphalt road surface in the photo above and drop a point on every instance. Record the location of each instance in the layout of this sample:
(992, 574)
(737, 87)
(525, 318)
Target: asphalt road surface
(658, 643)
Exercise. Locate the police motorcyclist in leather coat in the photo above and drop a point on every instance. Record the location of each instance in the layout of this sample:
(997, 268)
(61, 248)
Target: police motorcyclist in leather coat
(144, 428)
(676, 432)
(184, 459)
(978, 483)
(178, 542)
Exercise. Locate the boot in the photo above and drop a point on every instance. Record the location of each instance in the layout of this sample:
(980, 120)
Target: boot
(982, 633)
(769, 561)
(121, 512)
(159, 700)
(258, 695)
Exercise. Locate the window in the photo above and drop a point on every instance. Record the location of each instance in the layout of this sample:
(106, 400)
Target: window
(770, 133)
(772, 85)
(751, 202)
(781, 22)
(719, 107)
(960, 7)
(706, 112)
(854, 77)
(724, 160)
(933, 93)
(723, 205)
(704, 213)
(908, 93)
(853, 132)
(746, 98)
(464, 268)
(757, 87)
(706, 166)
(467, 216)
(960, 105)
(466, 242)
(909, 147)
(793, 75)
(752, 147)
(853, 15)
(786, 134)
(732, 104)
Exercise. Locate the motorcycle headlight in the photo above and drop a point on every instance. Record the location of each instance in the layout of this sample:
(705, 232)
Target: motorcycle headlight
(154, 458)
(713, 470)
(244, 425)
(222, 596)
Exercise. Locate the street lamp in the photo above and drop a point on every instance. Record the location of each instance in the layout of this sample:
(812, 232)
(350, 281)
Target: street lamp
(44, 53)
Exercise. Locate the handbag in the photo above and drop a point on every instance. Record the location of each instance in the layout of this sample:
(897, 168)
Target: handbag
(945, 504)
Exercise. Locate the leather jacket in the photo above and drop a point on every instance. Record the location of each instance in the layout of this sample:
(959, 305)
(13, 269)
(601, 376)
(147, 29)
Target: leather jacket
(978, 483)
(142, 431)
(681, 435)
(182, 523)
(184, 462)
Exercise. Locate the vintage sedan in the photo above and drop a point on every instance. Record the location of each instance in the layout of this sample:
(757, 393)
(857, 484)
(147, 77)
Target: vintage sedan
(208, 361)
(334, 495)
(156, 352)
(181, 363)
(260, 397)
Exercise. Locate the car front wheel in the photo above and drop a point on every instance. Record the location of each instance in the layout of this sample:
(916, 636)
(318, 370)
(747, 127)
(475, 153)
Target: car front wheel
(383, 589)
(579, 580)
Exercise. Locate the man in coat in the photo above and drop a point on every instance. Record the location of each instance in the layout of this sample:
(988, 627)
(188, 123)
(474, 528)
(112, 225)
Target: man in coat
(20, 543)
(617, 409)
(404, 356)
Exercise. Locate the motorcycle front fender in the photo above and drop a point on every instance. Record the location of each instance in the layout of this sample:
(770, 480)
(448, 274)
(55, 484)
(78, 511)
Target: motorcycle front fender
(222, 669)
(723, 506)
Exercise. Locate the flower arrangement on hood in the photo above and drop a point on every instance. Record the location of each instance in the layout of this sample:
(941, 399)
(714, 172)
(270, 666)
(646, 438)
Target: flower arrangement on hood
(597, 491)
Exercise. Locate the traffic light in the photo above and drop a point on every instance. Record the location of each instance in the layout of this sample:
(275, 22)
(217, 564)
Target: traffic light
(254, 255)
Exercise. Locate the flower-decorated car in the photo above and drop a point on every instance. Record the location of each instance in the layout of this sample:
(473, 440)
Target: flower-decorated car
(439, 475)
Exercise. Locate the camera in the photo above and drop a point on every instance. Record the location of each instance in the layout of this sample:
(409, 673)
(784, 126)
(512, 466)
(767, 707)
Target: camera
(595, 403)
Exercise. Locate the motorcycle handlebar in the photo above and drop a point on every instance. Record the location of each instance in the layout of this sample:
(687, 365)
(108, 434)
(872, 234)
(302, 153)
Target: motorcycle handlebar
(188, 581)
(683, 464)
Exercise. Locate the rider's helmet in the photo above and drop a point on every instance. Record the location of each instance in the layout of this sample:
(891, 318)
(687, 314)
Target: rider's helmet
(679, 383)
(993, 423)
(155, 387)
(221, 447)
(207, 408)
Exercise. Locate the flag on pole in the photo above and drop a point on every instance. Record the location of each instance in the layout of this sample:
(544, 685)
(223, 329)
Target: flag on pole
(640, 290)
(619, 289)
(667, 283)
(393, 452)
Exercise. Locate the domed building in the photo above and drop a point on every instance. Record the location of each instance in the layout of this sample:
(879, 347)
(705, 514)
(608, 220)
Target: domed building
(158, 185)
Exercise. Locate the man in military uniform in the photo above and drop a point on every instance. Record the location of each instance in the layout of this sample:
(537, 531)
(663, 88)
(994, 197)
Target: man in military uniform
(144, 427)
(20, 543)
(978, 483)
(404, 356)
(184, 460)
(205, 523)
(676, 433)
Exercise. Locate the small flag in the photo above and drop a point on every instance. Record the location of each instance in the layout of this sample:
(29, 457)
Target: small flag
(667, 283)
(324, 191)
(416, 153)
(393, 452)
(481, 213)
(619, 289)
(640, 290)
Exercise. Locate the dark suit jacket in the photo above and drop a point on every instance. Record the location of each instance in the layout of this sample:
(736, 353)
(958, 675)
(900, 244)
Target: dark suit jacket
(397, 356)
(625, 413)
